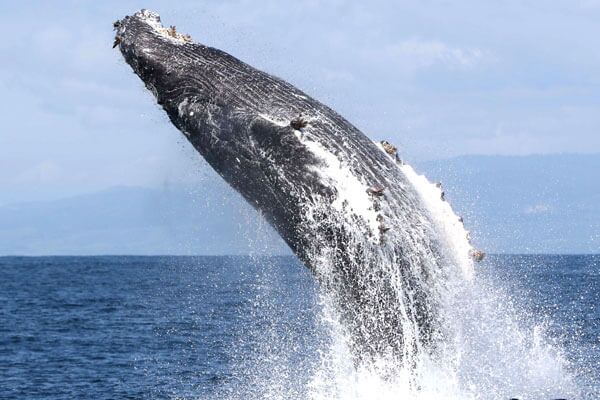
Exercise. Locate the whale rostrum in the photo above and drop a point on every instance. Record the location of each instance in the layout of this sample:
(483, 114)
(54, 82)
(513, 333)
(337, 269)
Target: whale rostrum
(340, 201)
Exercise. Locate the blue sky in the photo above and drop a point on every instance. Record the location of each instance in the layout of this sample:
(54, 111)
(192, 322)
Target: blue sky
(439, 78)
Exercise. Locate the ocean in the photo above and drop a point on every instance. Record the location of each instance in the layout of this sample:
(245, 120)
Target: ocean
(115, 327)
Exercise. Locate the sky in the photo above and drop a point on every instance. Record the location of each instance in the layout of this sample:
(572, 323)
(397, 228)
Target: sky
(438, 78)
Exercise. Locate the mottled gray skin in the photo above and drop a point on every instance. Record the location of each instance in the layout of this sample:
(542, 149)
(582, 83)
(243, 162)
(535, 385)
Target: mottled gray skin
(218, 102)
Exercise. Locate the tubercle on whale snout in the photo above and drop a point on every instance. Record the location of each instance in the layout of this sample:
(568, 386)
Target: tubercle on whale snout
(152, 19)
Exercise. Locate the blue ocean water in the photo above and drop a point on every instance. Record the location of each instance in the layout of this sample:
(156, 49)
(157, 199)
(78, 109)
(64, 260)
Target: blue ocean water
(218, 327)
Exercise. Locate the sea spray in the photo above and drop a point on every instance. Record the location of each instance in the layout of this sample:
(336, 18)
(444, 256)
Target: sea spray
(406, 311)
(487, 348)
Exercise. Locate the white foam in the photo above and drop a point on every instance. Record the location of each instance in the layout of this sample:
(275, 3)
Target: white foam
(491, 349)
(488, 348)
(453, 231)
(351, 191)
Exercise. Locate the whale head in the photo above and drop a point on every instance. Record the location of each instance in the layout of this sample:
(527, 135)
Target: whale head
(246, 123)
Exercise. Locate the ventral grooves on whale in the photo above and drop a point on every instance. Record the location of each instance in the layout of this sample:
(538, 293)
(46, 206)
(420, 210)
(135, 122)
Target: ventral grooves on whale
(340, 201)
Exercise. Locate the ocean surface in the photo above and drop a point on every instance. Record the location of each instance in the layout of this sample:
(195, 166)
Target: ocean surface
(224, 327)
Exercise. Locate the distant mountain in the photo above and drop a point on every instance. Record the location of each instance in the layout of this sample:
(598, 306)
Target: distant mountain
(133, 220)
(531, 204)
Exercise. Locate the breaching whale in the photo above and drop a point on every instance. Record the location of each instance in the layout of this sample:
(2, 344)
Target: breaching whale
(342, 202)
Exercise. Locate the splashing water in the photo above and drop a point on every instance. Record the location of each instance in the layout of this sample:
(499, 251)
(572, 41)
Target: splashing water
(487, 349)
(485, 346)
(404, 312)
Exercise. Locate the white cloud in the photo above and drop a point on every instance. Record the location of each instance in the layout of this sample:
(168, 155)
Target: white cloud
(538, 209)
(414, 54)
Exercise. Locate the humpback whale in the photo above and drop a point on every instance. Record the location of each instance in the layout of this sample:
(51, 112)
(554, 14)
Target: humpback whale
(344, 204)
